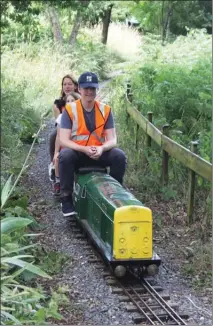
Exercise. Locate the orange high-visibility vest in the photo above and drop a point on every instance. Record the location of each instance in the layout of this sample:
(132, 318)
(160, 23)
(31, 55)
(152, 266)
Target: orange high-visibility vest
(80, 134)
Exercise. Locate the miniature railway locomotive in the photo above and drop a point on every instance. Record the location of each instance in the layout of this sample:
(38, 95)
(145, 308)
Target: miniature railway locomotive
(118, 223)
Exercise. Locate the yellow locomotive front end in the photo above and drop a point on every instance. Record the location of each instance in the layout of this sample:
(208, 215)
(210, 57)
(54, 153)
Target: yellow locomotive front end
(132, 238)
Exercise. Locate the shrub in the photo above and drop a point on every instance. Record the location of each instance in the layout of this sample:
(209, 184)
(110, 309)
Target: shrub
(175, 85)
(20, 303)
(18, 124)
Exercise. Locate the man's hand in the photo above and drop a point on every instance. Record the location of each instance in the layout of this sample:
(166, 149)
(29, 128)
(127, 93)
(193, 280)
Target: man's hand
(90, 151)
(97, 152)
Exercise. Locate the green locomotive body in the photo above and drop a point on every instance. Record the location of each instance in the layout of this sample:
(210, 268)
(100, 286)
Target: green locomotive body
(118, 223)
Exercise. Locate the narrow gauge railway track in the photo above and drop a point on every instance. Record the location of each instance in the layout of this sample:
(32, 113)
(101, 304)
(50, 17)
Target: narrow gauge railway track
(141, 295)
(152, 306)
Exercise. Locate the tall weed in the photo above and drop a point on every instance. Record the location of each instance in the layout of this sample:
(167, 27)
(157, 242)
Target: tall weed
(122, 40)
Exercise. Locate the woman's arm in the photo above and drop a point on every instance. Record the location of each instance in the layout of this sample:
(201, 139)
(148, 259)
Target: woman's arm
(57, 141)
(56, 111)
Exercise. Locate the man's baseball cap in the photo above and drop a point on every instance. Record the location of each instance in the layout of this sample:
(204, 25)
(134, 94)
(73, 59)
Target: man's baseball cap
(88, 79)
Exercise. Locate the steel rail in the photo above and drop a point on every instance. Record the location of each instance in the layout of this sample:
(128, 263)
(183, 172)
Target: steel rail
(171, 312)
(135, 302)
(147, 306)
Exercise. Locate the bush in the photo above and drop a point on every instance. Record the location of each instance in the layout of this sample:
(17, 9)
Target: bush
(19, 122)
(181, 96)
(20, 302)
(175, 84)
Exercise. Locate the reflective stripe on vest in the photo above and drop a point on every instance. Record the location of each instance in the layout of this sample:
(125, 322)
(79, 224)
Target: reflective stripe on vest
(75, 119)
(81, 137)
(101, 139)
(86, 137)
(102, 109)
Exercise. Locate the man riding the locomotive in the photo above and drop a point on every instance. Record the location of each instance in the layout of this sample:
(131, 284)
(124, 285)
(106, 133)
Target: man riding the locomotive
(88, 138)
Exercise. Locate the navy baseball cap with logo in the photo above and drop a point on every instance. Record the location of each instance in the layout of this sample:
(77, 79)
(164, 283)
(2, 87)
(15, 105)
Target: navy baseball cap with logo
(88, 79)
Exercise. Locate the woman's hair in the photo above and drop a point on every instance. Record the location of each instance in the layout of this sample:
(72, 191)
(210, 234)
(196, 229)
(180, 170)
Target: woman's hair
(74, 80)
(76, 96)
(60, 104)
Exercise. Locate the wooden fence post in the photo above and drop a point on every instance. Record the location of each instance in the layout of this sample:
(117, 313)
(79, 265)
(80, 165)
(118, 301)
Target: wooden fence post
(165, 160)
(137, 136)
(191, 189)
(128, 91)
(148, 138)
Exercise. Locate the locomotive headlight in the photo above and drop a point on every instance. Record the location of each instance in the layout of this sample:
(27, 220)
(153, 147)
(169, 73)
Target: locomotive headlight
(120, 271)
(152, 269)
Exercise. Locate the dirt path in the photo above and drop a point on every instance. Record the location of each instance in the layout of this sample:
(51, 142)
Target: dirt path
(92, 302)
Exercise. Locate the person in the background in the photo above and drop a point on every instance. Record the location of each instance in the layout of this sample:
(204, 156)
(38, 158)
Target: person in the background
(88, 137)
(60, 104)
(68, 84)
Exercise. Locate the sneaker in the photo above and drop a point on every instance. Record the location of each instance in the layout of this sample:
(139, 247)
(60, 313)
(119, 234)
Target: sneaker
(51, 171)
(67, 206)
(56, 189)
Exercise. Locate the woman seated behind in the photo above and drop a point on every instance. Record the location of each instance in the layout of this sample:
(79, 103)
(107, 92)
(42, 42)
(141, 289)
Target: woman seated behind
(69, 84)
(60, 104)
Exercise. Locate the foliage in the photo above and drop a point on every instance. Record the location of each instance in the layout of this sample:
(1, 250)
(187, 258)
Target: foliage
(53, 262)
(16, 298)
(29, 21)
(153, 15)
(21, 21)
(18, 122)
(24, 123)
(177, 88)
(21, 303)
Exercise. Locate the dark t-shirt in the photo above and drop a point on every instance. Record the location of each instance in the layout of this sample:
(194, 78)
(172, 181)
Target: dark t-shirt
(89, 117)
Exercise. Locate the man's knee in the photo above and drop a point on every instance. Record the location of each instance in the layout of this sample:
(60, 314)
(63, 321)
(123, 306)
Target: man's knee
(67, 155)
(119, 155)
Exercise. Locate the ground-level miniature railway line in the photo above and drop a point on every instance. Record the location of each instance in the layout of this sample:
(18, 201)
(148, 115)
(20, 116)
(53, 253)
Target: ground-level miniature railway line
(150, 304)
(140, 294)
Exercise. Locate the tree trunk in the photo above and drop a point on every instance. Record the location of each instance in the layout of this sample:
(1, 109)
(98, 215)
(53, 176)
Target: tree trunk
(106, 22)
(169, 17)
(56, 28)
(166, 24)
(75, 29)
(162, 21)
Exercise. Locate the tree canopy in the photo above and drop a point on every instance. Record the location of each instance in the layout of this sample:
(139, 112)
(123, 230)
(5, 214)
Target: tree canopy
(165, 17)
